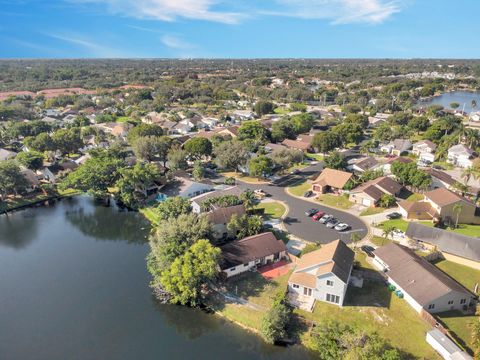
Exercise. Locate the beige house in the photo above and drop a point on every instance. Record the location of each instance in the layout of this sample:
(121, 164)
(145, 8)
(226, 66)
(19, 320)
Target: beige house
(331, 180)
(441, 204)
(370, 193)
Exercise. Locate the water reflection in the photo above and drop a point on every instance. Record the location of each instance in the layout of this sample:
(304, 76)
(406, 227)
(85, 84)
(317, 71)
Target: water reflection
(108, 222)
(17, 236)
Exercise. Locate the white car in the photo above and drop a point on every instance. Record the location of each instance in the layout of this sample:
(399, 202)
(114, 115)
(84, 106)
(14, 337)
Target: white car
(341, 227)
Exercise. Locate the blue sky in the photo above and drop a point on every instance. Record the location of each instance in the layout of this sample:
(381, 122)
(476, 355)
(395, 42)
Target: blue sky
(239, 28)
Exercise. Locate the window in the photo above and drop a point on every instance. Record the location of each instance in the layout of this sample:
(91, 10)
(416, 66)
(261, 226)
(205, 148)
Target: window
(463, 301)
(232, 269)
(307, 291)
(329, 283)
(295, 286)
(431, 306)
(450, 302)
(333, 298)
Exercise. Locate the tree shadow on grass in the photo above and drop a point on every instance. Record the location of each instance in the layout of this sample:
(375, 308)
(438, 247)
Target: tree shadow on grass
(372, 293)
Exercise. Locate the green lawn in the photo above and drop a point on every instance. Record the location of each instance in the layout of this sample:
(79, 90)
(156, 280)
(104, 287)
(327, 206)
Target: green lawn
(150, 214)
(372, 211)
(281, 111)
(465, 275)
(444, 164)
(361, 257)
(300, 189)
(460, 326)
(415, 197)
(401, 224)
(337, 201)
(316, 157)
(374, 308)
(19, 201)
(464, 229)
(380, 241)
(247, 179)
(273, 209)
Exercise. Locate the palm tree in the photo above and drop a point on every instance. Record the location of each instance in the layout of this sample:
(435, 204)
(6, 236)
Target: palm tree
(467, 173)
(457, 208)
(388, 231)
(354, 238)
(462, 188)
(248, 198)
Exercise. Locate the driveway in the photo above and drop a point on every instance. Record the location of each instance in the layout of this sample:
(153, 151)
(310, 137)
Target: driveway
(297, 223)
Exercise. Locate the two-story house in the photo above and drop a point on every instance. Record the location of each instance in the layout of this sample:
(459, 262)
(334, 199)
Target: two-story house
(321, 275)
(425, 150)
(460, 155)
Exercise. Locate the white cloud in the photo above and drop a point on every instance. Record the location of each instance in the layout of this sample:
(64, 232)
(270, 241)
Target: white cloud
(92, 48)
(170, 10)
(176, 43)
(339, 11)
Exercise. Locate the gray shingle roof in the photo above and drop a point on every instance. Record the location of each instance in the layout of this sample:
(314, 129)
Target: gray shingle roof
(446, 241)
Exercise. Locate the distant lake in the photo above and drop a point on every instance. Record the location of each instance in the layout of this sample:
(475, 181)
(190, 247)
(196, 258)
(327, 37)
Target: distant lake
(461, 97)
(73, 285)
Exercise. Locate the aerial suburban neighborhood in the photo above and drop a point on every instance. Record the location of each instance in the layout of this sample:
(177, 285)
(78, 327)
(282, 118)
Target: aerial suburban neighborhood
(163, 195)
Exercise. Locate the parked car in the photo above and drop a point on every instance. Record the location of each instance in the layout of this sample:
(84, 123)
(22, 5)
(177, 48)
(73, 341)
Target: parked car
(367, 249)
(325, 219)
(267, 226)
(318, 215)
(394, 215)
(260, 194)
(332, 223)
(308, 193)
(311, 212)
(295, 172)
(341, 227)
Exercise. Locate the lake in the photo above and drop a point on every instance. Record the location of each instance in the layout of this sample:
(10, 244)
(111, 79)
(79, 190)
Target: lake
(461, 97)
(73, 285)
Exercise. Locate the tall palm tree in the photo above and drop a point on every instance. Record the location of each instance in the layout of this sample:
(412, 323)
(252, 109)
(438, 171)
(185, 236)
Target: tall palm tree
(457, 208)
(388, 231)
(248, 198)
(354, 238)
(467, 174)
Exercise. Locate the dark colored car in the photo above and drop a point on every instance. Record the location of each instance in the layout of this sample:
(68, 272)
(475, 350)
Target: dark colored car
(394, 215)
(367, 249)
(318, 215)
(308, 193)
(311, 212)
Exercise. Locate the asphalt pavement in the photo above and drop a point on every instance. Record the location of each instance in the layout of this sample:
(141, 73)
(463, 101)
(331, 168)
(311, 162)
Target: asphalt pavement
(302, 226)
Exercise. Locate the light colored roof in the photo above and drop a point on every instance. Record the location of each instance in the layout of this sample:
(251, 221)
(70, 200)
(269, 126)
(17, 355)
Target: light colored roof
(233, 190)
(424, 143)
(333, 178)
(6, 154)
(296, 144)
(423, 281)
(304, 279)
(442, 197)
(460, 149)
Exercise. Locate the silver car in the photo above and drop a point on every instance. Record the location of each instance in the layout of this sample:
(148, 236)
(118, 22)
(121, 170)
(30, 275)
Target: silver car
(325, 218)
(332, 223)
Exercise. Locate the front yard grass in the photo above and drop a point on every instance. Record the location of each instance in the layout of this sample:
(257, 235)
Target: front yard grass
(465, 275)
(336, 201)
(464, 229)
(415, 197)
(372, 211)
(272, 209)
(244, 178)
(316, 157)
(380, 241)
(300, 189)
(460, 326)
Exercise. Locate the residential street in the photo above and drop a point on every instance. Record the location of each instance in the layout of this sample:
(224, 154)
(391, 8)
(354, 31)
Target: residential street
(297, 223)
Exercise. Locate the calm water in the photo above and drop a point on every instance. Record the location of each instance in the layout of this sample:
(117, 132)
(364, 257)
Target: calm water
(461, 97)
(73, 285)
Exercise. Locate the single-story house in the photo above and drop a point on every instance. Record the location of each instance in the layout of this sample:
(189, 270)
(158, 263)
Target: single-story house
(303, 142)
(270, 147)
(460, 155)
(330, 179)
(31, 178)
(368, 163)
(226, 132)
(397, 147)
(322, 275)
(440, 179)
(386, 167)
(440, 204)
(423, 285)
(198, 200)
(185, 187)
(444, 346)
(462, 249)
(221, 216)
(370, 193)
(248, 253)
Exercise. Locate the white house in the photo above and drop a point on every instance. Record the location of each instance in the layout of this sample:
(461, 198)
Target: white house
(247, 254)
(198, 200)
(321, 275)
(425, 150)
(445, 346)
(185, 187)
(460, 155)
(423, 285)
(397, 147)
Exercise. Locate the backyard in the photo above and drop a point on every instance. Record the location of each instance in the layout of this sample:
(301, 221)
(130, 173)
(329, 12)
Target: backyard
(460, 325)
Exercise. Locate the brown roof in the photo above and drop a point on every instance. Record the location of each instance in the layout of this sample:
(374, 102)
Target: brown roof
(423, 281)
(377, 187)
(296, 144)
(366, 163)
(250, 248)
(223, 215)
(333, 178)
(335, 257)
(403, 160)
(417, 207)
(440, 175)
(443, 197)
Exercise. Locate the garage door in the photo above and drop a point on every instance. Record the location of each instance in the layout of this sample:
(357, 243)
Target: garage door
(366, 202)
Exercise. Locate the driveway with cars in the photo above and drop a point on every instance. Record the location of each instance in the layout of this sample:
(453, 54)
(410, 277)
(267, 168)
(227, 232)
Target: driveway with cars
(299, 224)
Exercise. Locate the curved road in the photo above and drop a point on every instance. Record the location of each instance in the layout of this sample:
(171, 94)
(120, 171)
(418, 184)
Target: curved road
(297, 223)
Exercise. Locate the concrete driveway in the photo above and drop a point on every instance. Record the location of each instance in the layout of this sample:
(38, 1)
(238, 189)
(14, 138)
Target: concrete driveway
(302, 226)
